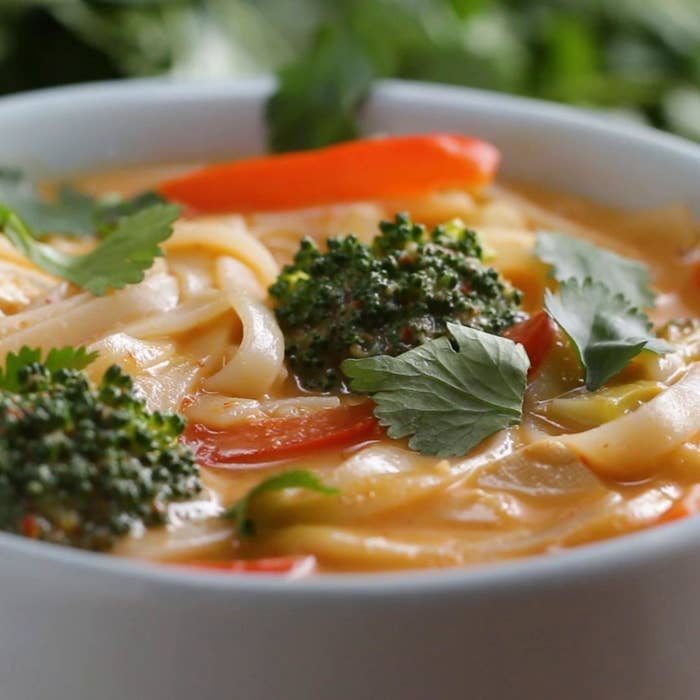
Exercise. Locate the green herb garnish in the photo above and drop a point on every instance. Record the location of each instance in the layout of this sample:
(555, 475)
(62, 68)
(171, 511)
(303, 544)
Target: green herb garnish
(605, 329)
(110, 210)
(599, 304)
(120, 259)
(318, 96)
(71, 213)
(574, 258)
(56, 359)
(448, 394)
(294, 479)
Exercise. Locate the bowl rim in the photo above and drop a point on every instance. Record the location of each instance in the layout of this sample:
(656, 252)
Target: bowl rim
(595, 560)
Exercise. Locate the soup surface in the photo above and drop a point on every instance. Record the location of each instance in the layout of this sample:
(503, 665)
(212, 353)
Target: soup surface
(580, 460)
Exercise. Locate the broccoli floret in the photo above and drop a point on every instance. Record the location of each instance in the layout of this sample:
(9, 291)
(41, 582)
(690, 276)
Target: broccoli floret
(81, 465)
(357, 300)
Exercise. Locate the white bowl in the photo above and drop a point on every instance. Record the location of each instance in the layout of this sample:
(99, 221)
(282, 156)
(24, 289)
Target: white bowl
(618, 620)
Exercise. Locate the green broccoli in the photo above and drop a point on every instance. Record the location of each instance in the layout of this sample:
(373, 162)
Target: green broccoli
(81, 465)
(360, 300)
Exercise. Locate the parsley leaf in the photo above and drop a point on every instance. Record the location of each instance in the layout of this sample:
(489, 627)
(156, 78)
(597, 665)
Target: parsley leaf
(605, 330)
(120, 259)
(447, 398)
(56, 358)
(294, 479)
(573, 258)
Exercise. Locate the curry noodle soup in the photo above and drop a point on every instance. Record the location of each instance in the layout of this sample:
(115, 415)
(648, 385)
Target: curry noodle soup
(475, 379)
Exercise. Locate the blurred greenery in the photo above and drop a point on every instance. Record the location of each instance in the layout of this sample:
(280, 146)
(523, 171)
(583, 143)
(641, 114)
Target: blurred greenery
(638, 59)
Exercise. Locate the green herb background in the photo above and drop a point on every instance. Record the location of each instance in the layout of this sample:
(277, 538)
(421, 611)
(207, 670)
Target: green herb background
(637, 58)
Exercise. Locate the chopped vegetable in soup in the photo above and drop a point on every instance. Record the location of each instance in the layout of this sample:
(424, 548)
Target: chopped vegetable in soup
(361, 358)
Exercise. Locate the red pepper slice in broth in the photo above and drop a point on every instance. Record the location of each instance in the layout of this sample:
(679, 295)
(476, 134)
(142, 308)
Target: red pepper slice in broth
(537, 335)
(276, 566)
(272, 439)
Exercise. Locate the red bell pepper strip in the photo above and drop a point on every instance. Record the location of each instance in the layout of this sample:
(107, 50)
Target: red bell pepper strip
(367, 169)
(537, 334)
(287, 566)
(272, 439)
(678, 511)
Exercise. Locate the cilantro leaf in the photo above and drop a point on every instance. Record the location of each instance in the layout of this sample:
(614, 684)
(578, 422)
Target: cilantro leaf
(598, 304)
(605, 330)
(57, 358)
(70, 213)
(573, 258)
(120, 259)
(448, 399)
(294, 479)
(69, 358)
(108, 211)
(14, 363)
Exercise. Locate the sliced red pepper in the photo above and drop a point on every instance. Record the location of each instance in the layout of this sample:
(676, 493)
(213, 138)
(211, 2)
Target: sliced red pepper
(272, 439)
(678, 511)
(288, 566)
(537, 334)
(367, 169)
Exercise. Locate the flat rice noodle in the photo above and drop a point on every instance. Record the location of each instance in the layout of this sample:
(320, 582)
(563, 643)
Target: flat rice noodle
(167, 384)
(272, 228)
(35, 315)
(412, 546)
(194, 532)
(231, 238)
(163, 377)
(193, 313)
(356, 549)
(210, 346)
(132, 354)
(20, 285)
(194, 271)
(633, 447)
(547, 469)
(259, 360)
(82, 319)
(363, 501)
(221, 412)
